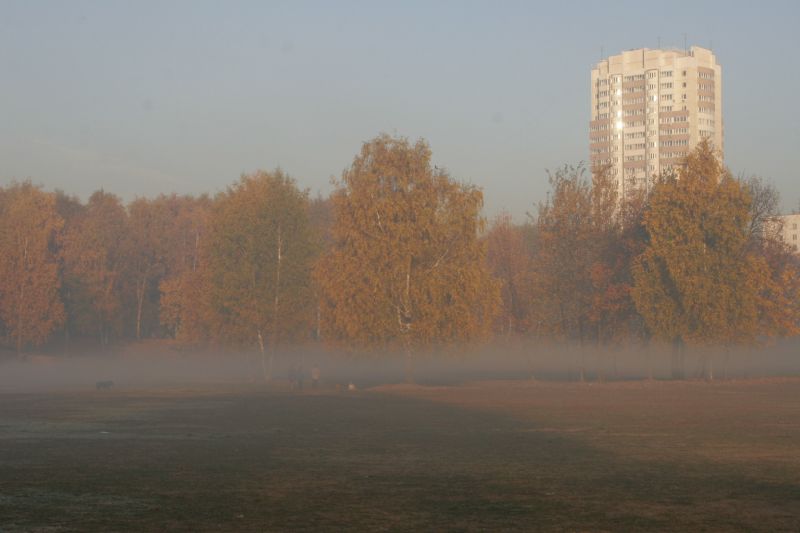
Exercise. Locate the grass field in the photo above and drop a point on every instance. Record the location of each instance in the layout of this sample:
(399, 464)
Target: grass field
(481, 456)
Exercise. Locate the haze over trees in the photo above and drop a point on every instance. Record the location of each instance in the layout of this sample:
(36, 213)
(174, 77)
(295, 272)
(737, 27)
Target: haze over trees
(399, 258)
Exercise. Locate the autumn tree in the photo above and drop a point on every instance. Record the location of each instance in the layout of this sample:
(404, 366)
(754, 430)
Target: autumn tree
(765, 227)
(695, 281)
(509, 259)
(565, 255)
(146, 252)
(406, 267)
(320, 214)
(779, 297)
(30, 233)
(260, 253)
(184, 305)
(95, 247)
(618, 232)
(581, 267)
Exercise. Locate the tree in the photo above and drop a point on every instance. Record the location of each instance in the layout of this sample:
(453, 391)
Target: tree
(406, 267)
(779, 295)
(695, 281)
(30, 231)
(764, 224)
(260, 253)
(509, 259)
(564, 257)
(147, 247)
(184, 306)
(95, 247)
(320, 214)
(619, 239)
(580, 266)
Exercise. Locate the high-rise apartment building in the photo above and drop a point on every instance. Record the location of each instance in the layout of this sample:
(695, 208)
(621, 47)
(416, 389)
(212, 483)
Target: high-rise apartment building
(790, 231)
(650, 108)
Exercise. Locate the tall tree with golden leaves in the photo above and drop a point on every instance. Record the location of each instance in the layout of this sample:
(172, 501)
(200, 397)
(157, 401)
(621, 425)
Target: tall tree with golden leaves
(95, 263)
(565, 253)
(184, 306)
(695, 282)
(260, 253)
(510, 261)
(148, 244)
(406, 266)
(30, 232)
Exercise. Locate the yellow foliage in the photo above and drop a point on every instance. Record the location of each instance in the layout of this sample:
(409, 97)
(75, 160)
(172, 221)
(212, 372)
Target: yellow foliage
(406, 265)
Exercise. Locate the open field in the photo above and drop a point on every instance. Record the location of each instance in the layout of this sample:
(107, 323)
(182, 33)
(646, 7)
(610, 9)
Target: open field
(490, 455)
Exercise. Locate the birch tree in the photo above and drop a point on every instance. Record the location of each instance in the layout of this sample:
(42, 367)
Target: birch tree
(509, 258)
(260, 253)
(95, 248)
(406, 267)
(184, 306)
(30, 233)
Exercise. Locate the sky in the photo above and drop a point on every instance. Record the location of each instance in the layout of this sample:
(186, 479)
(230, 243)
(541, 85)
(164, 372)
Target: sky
(148, 97)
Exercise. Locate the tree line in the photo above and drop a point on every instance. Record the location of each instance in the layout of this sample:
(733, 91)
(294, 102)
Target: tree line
(399, 256)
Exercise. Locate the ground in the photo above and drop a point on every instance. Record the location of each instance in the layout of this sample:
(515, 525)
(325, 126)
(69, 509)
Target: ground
(504, 455)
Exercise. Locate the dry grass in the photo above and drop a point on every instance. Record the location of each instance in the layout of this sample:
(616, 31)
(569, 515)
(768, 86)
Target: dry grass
(481, 456)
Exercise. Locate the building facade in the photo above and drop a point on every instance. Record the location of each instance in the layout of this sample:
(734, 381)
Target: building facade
(650, 108)
(790, 232)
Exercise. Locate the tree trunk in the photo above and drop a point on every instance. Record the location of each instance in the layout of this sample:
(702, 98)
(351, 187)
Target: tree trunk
(678, 352)
(319, 321)
(598, 357)
(409, 363)
(140, 286)
(20, 322)
(725, 365)
(276, 304)
(263, 356)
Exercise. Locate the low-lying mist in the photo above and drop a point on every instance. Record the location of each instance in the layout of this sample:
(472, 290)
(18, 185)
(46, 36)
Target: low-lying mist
(142, 366)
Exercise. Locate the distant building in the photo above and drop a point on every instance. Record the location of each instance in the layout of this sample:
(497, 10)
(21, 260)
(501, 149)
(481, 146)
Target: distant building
(790, 231)
(650, 108)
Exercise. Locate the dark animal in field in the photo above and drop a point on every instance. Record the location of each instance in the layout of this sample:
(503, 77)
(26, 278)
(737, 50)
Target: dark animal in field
(104, 385)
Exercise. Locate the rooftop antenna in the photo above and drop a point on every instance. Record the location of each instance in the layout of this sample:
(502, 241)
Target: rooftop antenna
(711, 45)
(685, 46)
(602, 52)
(659, 42)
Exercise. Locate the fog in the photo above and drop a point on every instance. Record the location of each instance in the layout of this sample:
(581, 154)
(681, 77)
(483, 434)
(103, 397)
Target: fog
(151, 366)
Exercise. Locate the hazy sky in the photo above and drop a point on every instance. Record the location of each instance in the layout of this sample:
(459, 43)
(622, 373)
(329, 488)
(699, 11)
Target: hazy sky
(147, 97)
